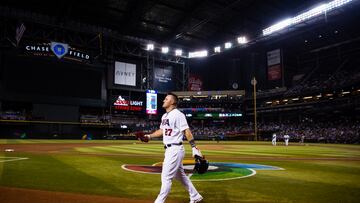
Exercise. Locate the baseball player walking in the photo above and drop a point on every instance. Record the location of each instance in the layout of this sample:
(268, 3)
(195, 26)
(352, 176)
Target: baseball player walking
(173, 127)
(274, 139)
(286, 138)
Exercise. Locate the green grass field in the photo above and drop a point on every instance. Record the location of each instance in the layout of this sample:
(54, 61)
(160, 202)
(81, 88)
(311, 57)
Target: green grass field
(313, 173)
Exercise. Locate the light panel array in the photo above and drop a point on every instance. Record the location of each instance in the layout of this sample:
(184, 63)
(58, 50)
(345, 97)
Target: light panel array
(228, 45)
(197, 54)
(241, 40)
(164, 50)
(217, 49)
(305, 16)
(150, 47)
(178, 52)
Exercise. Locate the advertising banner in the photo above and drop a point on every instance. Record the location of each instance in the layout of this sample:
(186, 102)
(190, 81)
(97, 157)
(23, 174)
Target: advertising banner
(273, 57)
(274, 72)
(195, 83)
(125, 74)
(125, 104)
(60, 50)
(274, 64)
(163, 79)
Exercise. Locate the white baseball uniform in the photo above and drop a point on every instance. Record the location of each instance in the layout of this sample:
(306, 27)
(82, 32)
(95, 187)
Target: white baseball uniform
(274, 139)
(286, 138)
(173, 125)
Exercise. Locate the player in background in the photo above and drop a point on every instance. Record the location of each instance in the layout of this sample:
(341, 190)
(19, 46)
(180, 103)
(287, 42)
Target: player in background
(173, 127)
(302, 139)
(286, 138)
(274, 139)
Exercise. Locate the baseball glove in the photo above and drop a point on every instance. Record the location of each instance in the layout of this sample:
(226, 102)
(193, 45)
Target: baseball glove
(201, 165)
(141, 136)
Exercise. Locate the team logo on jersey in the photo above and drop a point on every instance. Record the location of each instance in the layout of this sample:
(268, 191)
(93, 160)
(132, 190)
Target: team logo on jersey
(165, 121)
(217, 171)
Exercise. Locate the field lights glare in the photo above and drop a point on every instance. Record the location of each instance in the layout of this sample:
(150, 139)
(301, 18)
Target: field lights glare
(228, 45)
(164, 50)
(150, 47)
(217, 49)
(242, 40)
(324, 8)
(178, 52)
(197, 54)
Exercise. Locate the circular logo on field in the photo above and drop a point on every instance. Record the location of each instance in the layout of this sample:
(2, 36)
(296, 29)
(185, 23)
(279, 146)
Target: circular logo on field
(217, 171)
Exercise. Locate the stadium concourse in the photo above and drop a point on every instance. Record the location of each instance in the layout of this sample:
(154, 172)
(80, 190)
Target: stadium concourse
(244, 72)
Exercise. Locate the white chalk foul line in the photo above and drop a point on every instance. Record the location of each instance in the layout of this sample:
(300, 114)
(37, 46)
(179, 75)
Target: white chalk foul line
(127, 169)
(7, 159)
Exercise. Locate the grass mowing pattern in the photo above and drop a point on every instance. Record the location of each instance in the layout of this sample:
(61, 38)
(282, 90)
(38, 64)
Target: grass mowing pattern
(313, 173)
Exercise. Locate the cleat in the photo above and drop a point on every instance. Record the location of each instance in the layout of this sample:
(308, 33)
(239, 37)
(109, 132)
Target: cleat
(197, 200)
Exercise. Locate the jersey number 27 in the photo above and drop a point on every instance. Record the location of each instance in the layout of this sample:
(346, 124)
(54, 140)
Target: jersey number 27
(168, 132)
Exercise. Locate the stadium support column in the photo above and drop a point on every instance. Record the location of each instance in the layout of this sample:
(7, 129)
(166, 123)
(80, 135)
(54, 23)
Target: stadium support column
(147, 72)
(1, 77)
(253, 82)
(150, 63)
(183, 77)
(282, 69)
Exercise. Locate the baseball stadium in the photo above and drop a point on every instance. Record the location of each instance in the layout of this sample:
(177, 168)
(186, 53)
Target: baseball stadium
(176, 101)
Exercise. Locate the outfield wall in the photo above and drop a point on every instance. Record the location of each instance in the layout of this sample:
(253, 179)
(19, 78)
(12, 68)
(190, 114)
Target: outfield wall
(55, 130)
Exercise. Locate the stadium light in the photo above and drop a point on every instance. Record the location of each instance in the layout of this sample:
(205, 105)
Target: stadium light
(150, 47)
(228, 45)
(198, 54)
(178, 52)
(305, 16)
(278, 26)
(242, 40)
(164, 50)
(217, 49)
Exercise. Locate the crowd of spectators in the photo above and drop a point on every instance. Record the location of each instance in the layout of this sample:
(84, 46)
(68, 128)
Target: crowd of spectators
(215, 131)
(340, 131)
(335, 131)
(325, 82)
(145, 125)
(202, 131)
(12, 115)
(94, 119)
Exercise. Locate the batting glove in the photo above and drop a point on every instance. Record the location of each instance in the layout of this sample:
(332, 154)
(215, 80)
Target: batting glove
(148, 137)
(196, 152)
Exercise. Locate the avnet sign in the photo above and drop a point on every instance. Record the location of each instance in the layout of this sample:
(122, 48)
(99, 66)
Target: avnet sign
(125, 73)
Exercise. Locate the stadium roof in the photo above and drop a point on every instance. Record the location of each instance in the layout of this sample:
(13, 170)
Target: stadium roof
(190, 24)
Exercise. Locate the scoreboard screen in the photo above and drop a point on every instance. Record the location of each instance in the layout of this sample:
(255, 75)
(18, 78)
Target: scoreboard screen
(151, 102)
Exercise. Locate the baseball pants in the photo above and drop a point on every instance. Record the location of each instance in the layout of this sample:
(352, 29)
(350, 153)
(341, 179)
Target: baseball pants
(173, 168)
